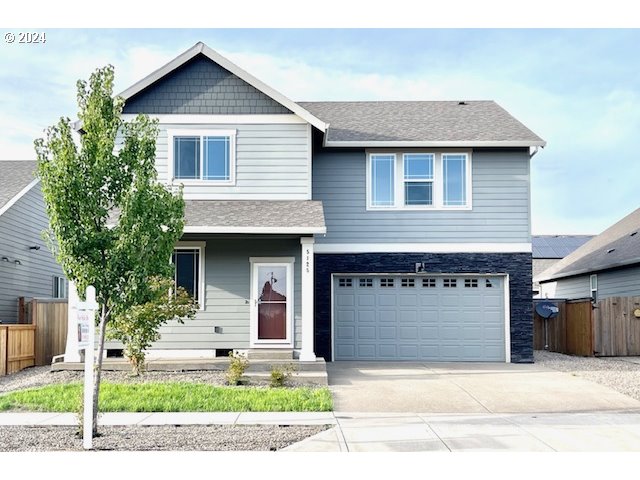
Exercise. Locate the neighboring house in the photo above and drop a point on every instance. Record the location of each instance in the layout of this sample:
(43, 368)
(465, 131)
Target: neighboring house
(550, 249)
(344, 230)
(608, 265)
(27, 267)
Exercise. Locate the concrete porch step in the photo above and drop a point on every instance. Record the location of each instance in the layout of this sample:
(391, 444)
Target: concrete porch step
(269, 354)
(266, 365)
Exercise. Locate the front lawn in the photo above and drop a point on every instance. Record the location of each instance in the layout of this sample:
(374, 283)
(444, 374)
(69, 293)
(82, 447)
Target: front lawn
(171, 397)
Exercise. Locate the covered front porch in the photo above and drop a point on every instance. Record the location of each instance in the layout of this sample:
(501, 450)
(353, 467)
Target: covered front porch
(250, 266)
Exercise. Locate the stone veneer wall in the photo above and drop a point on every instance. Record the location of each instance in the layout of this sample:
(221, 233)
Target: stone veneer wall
(517, 265)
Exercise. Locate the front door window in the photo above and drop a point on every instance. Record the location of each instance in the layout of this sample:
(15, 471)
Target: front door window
(272, 303)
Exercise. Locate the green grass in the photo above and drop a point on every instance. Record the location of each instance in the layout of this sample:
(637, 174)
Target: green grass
(171, 397)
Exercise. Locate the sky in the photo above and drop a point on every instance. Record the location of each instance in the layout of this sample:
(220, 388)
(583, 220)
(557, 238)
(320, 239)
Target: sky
(577, 89)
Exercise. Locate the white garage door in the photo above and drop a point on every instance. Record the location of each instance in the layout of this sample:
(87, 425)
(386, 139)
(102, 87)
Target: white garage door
(403, 317)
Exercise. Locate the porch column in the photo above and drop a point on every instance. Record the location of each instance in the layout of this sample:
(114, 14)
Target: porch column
(71, 353)
(307, 353)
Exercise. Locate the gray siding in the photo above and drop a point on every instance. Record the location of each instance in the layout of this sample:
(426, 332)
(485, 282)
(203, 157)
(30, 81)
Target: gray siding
(227, 279)
(619, 283)
(500, 190)
(202, 87)
(272, 162)
(20, 228)
(574, 287)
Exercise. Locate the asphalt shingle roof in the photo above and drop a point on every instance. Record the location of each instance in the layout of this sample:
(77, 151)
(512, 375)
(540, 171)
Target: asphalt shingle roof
(287, 215)
(617, 246)
(254, 213)
(557, 246)
(437, 121)
(14, 176)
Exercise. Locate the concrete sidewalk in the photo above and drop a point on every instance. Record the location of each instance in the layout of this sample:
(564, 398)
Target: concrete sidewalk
(406, 432)
(174, 418)
(388, 432)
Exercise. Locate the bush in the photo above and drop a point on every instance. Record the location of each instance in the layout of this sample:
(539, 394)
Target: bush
(280, 374)
(237, 365)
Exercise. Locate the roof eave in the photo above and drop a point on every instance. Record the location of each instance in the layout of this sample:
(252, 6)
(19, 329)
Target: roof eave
(256, 230)
(582, 271)
(12, 201)
(419, 143)
(201, 48)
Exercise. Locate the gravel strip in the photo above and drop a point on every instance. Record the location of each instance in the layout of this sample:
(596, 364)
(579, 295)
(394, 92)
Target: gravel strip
(619, 375)
(168, 437)
(40, 376)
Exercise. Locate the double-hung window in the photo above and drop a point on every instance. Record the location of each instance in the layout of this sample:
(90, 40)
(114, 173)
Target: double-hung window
(188, 260)
(205, 155)
(419, 180)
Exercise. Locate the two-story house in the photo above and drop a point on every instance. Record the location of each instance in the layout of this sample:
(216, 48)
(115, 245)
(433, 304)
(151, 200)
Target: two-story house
(344, 230)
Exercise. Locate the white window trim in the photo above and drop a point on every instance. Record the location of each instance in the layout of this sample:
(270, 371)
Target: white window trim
(202, 132)
(370, 176)
(59, 285)
(438, 179)
(593, 286)
(200, 246)
(288, 263)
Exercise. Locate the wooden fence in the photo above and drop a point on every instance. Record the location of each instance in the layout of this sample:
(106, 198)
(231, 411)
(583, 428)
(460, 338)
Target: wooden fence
(50, 319)
(17, 348)
(617, 329)
(571, 332)
(35, 343)
(608, 329)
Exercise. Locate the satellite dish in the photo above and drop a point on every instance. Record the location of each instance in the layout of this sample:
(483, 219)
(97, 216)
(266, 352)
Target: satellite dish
(547, 310)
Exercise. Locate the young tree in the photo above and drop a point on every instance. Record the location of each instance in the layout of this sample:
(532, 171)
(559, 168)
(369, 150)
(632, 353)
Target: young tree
(137, 328)
(115, 225)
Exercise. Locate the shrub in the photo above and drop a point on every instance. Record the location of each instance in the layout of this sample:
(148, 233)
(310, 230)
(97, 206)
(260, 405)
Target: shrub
(237, 365)
(280, 374)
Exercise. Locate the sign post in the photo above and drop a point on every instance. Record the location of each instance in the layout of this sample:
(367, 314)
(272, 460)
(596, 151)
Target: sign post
(86, 338)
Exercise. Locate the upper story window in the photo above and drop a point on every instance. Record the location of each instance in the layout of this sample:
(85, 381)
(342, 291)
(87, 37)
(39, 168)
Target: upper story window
(421, 180)
(204, 155)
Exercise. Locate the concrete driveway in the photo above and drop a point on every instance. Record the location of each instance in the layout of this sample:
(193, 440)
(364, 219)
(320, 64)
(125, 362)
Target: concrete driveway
(472, 388)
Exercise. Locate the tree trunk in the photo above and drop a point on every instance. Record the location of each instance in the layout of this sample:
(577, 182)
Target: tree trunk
(98, 367)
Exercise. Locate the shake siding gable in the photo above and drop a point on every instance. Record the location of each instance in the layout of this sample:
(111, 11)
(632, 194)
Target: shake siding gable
(201, 86)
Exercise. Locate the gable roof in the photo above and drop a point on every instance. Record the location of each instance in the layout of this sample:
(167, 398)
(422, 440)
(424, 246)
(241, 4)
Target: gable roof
(557, 246)
(16, 179)
(617, 246)
(422, 123)
(201, 49)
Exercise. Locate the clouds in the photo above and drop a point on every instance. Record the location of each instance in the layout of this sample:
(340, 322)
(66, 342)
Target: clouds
(576, 89)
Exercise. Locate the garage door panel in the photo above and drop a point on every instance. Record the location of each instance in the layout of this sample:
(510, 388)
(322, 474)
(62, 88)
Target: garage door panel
(429, 300)
(387, 300)
(403, 317)
(408, 352)
(345, 316)
(408, 300)
(408, 316)
(366, 300)
(346, 351)
(366, 333)
(449, 300)
(389, 316)
(388, 351)
(366, 316)
(366, 351)
(408, 333)
(345, 332)
(345, 300)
